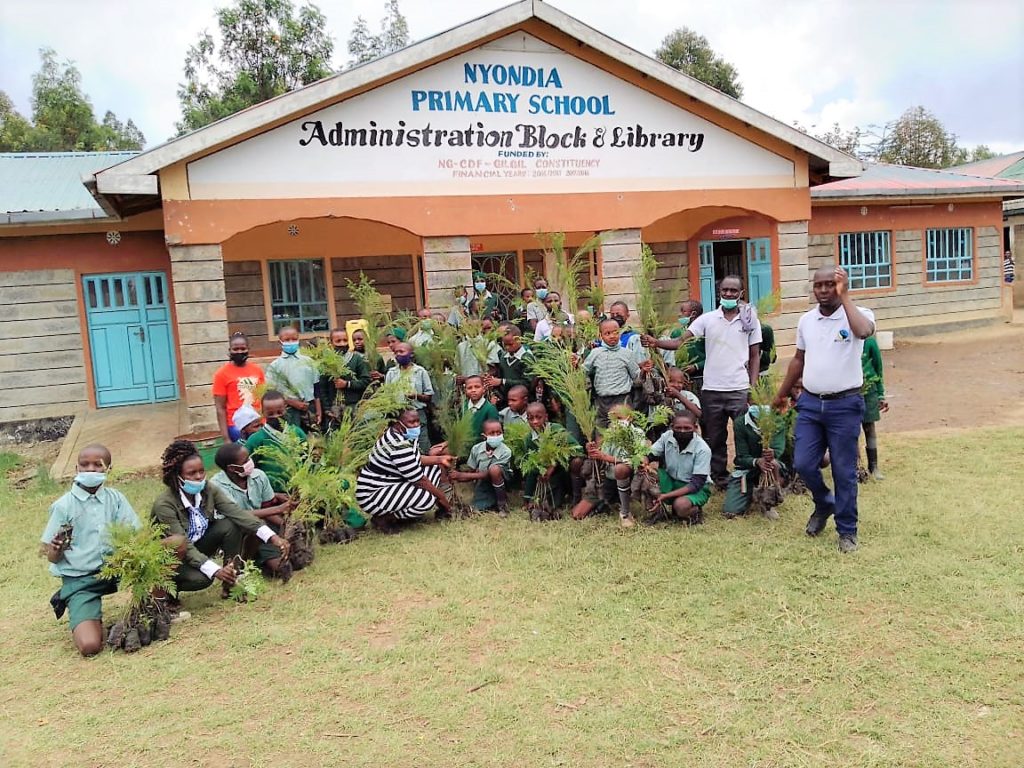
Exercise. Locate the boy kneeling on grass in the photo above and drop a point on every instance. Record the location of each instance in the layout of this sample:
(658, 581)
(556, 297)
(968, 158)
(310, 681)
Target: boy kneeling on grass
(559, 481)
(201, 519)
(616, 479)
(683, 463)
(490, 464)
(75, 543)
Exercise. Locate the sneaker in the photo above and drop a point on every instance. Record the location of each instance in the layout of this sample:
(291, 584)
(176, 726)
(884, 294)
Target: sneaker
(847, 543)
(771, 513)
(876, 475)
(816, 523)
(627, 522)
(503, 512)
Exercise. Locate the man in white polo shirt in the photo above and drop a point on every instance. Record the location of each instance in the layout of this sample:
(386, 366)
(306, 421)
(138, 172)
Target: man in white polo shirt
(829, 341)
(732, 346)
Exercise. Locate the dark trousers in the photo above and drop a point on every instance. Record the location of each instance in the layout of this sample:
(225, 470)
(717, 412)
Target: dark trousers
(222, 534)
(835, 425)
(718, 409)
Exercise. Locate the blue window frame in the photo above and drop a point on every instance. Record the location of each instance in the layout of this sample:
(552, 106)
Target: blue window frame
(298, 294)
(949, 257)
(867, 259)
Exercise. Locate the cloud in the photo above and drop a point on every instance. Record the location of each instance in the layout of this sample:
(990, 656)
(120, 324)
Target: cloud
(812, 61)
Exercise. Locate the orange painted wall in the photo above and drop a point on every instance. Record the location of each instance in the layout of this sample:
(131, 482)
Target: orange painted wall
(215, 221)
(336, 237)
(826, 219)
(91, 254)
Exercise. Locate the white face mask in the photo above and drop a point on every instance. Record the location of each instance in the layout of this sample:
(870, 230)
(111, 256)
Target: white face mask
(624, 422)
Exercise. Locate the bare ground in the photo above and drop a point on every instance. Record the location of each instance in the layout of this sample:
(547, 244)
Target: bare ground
(972, 378)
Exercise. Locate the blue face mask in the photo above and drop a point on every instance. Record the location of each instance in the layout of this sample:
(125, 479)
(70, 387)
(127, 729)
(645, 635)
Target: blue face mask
(684, 321)
(729, 303)
(481, 287)
(493, 441)
(412, 434)
(542, 293)
(192, 487)
(90, 479)
(289, 347)
(606, 345)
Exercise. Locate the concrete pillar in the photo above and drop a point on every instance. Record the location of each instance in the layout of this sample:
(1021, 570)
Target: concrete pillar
(1017, 247)
(197, 274)
(447, 270)
(620, 259)
(794, 281)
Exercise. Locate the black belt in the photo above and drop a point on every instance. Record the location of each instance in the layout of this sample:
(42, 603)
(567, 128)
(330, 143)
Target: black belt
(834, 395)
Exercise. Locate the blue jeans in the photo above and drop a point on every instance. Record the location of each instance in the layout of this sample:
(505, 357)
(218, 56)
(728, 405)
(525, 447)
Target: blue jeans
(832, 424)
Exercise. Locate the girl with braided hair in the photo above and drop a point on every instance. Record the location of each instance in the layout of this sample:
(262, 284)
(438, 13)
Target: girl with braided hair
(200, 518)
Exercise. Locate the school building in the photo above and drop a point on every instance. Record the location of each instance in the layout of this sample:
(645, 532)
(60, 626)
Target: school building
(121, 275)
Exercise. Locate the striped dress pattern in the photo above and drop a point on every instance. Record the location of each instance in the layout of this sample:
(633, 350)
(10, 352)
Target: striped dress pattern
(386, 483)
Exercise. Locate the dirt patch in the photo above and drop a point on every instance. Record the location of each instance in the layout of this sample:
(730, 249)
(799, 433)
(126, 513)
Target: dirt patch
(966, 379)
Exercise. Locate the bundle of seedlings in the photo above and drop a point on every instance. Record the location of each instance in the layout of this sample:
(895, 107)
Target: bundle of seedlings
(630, 439)
(569, 272)
(657, 303)
(438, 357)
(249, 581)
(456, 425)
(480, 343)
(770, 422)
(143, 564)
(595, 298)
(374, 310)
(555, 448)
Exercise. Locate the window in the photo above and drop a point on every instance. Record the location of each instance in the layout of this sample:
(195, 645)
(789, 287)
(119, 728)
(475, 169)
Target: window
(866, 257)
(950, 255)
(298, 294)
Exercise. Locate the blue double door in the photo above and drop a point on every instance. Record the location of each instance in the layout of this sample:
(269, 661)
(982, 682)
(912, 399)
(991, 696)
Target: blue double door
(750, 259)
(130, 338)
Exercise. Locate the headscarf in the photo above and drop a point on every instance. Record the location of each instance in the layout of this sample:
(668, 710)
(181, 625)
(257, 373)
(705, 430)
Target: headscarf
(398, 333)
(244, 416)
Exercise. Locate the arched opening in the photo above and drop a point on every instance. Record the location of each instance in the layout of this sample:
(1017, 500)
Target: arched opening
(297, 271)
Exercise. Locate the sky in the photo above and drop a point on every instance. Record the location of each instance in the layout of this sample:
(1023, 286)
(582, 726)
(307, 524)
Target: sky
(816, 62)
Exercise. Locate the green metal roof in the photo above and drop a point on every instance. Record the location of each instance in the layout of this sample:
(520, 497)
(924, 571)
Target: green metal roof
(47, 186)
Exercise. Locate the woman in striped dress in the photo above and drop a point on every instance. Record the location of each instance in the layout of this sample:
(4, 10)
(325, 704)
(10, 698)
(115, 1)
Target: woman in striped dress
(398, 483)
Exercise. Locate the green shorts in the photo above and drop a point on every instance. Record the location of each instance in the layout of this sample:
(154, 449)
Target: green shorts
(667, 484)
(483, 492)
(84, 596)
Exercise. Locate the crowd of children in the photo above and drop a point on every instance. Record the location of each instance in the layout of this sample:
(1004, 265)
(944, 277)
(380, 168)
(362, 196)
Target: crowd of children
(648, 448)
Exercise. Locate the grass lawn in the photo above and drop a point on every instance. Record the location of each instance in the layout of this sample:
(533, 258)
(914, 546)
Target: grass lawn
(506, 643)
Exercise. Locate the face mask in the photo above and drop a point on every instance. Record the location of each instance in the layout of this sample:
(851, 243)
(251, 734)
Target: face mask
(192, 487)
(412, 434)
(245, 469)
(542, 293)
(403, 360)
(620, 320)
(426, 324)
(90, 479)
(684, 321)
(624, 422)
(289, 347)
(683, 438)
(239, 358)
(480, 287)
(729, 303)
(493, 441)
(274, 422)
(606, 345)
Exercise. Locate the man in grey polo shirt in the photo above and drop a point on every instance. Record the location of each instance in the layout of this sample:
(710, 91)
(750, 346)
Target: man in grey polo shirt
(829, 342)
(733, 349)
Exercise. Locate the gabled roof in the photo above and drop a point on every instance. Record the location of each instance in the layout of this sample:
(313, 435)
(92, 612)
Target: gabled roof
(884, 180)
(1004, 167)
(136, 175)
(47, 186)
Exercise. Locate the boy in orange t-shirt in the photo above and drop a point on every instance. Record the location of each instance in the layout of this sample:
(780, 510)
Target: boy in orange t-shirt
(234, 384)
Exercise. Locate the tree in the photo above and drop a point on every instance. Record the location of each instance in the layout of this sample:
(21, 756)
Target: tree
(980, 152)
(848, 141)
(691, 54)
(920, 139)
(394, 35)
(266, 49)
(14, 129)
(62, 116)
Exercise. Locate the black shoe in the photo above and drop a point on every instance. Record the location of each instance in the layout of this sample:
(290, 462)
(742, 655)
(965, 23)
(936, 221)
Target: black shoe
(848, 543)
(816, 522)
(59, 605)
(658, 516)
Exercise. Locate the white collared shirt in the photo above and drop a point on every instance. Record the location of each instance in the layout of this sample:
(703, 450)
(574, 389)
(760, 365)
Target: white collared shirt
(727, 347)
(831, 351)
